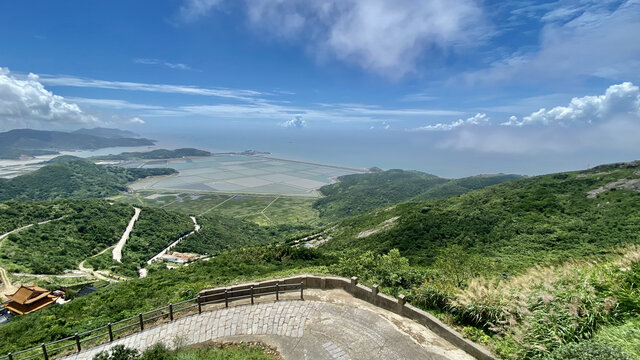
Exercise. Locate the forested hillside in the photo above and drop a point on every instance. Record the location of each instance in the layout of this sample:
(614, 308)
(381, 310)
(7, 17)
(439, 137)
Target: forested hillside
(516, 224)
(545, 267)
(72, 179)
(155, 154)
(359, 193)
(82, 229)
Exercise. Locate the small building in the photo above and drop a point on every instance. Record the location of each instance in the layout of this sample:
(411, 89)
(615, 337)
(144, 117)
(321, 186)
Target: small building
(29, 299)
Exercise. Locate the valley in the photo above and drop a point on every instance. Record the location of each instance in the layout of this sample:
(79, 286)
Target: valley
(448, 245)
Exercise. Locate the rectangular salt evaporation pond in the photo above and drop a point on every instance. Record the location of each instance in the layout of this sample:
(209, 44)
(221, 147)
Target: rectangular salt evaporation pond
(243, 174)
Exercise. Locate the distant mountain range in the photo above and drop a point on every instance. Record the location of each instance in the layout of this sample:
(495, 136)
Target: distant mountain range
(18, 143)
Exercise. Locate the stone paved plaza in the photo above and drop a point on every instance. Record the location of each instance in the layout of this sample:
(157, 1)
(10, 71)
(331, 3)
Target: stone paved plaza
(308, 329)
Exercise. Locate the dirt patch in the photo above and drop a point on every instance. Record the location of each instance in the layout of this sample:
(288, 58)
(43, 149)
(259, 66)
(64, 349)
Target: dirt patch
(622, 184)
(582, 176)
(382, 226)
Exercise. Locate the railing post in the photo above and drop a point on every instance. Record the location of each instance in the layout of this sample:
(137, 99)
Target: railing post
(10, 356)
(110, 332)
(301, 290)
(170, 312)
(78, 342)
(44, 351)
(141, 322)
(199, 305)
(251, 294)
(277, 291)
(226, 298)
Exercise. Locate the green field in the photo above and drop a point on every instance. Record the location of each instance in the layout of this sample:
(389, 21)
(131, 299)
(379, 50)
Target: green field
(260, 209)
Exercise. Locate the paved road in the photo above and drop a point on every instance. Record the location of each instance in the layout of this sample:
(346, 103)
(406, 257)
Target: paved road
(6, 288)
(310, 329)
(117, 251)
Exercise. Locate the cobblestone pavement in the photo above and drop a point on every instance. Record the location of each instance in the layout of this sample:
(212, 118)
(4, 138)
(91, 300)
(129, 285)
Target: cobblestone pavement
(300, 330)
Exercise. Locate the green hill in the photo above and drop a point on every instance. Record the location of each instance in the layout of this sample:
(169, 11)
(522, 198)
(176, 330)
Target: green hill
(155, 154)
(17, 142)
(72, 179)
(516, 224)
(359, 193)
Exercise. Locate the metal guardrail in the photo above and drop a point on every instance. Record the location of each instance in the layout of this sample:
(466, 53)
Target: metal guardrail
(119, 329)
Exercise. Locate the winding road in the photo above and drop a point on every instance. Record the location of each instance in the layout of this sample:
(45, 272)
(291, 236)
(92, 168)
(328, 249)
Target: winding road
(117, 251)
(196, 228)
(3, 236)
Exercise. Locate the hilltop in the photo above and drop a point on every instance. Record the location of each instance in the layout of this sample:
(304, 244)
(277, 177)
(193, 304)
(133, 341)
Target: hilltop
(359, 193)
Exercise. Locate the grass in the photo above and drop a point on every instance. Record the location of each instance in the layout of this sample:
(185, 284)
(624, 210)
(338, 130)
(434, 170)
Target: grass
(625, 336)
(260, 209)
(206, 351)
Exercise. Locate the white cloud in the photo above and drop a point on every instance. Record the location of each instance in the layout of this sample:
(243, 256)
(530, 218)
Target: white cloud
(477, 119)
(136, 120)
(387, 37)
(583, 39)
(177, 66)
(296, 122)
(622, 100)
(61, 80)
(25, 102)
(193, 9)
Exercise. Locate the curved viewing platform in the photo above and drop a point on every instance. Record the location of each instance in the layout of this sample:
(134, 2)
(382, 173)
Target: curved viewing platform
(303, 317)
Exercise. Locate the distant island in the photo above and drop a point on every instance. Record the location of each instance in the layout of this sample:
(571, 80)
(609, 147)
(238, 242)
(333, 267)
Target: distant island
(25, 143)
(155, 154)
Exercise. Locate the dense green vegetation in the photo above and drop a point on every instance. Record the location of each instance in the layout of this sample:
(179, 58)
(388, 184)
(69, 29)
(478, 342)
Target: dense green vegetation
(532, 268)
(359, 193)
(206, 352)
(16, 214)
(153, 231)
(89, 226)
(86, 228)
(34, 142)
(72, 179)
(155, 154)
(514, 225)
(161, 287)
(221, 233)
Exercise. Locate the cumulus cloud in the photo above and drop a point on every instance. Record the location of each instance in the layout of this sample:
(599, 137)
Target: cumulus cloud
(136, 120)
(297, 122)
(621, 100)
(26, 102)
(383, 36)
(477, 119)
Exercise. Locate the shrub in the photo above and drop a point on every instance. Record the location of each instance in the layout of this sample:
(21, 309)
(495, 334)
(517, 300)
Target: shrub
(587, 350)
(118, 352)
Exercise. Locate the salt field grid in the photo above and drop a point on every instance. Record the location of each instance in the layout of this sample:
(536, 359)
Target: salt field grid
(241, 174)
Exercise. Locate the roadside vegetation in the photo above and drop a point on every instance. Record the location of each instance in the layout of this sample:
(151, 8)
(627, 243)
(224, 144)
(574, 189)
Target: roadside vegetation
(206, 352)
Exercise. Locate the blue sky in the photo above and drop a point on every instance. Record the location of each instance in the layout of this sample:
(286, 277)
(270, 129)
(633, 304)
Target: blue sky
(484, 86)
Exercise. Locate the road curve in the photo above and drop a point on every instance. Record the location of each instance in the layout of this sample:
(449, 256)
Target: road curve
(117, 251)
